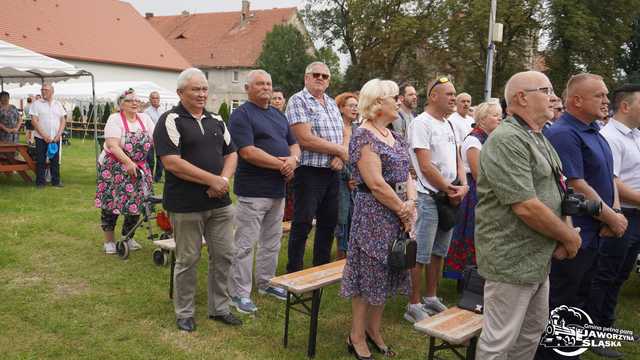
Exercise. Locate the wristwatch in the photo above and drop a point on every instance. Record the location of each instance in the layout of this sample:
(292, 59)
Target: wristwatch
(618, 211)
(226, 179)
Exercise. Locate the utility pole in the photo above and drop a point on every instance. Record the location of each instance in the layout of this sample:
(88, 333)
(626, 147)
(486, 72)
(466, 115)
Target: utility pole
(494, 36)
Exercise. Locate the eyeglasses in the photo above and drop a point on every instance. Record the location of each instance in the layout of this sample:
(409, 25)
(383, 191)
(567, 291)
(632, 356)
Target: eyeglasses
(130, 100)
(545, 90)
(442, 80)
(319, 75)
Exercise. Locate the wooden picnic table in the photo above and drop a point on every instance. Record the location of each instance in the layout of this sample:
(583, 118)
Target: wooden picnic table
(8, 164)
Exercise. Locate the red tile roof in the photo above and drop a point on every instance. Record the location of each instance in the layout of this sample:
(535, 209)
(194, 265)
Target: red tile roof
(107, 31)
(216, 40)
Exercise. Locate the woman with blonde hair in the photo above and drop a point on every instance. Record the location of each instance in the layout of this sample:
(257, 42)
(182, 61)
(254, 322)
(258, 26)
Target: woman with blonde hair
(384, 207)
(462, 251)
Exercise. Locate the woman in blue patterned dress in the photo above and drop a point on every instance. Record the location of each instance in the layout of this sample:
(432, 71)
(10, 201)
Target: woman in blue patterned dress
(10, 120)
(462, 251)
(382, 210)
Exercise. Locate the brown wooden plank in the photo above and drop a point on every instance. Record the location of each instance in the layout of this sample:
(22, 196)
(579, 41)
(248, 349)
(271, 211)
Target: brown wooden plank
(312, 278)
(25, 176)
(24, 152)
(453, 325)
(13, 167)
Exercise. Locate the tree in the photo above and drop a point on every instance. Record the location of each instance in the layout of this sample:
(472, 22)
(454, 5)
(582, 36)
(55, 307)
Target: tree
(329, 57)
(375, 34)
(223, 111)
(285, 56)
(76, 115)
(584, 36)
(106, 112)
(629, 60)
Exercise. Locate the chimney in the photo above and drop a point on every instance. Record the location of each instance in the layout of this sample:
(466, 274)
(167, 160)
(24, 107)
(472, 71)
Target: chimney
(185, 13)
(148, 15)
(244, 14)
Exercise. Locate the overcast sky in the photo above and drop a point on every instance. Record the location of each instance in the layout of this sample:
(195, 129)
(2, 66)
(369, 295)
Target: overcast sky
(173, 7)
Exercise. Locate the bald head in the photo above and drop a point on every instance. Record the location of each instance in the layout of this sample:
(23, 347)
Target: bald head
(587, 97)
(528, 94)
(523, 81)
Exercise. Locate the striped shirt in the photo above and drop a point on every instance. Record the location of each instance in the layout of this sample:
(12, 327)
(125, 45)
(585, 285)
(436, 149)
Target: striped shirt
(325, 120)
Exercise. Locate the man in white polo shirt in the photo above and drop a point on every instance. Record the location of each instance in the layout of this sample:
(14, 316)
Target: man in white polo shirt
(617, 256)
(435, 158)
(47, 117)
(461, 118)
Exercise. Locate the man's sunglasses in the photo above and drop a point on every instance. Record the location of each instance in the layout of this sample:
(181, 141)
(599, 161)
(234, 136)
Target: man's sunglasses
(442, 80)
(319, 75)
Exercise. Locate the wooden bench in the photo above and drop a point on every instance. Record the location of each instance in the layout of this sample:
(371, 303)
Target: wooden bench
(301, 282)
(456, 328)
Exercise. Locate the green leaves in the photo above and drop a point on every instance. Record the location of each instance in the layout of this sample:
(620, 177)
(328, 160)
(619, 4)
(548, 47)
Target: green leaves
(285, 55)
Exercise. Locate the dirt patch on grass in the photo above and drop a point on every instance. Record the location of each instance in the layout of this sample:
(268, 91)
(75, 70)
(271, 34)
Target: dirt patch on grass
(21, 281)
(65, 290)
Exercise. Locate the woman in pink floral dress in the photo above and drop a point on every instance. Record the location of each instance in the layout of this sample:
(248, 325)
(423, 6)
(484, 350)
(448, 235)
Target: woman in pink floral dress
(128, 138)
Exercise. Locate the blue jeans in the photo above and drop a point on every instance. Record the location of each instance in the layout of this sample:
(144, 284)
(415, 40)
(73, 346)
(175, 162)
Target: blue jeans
(430, 239)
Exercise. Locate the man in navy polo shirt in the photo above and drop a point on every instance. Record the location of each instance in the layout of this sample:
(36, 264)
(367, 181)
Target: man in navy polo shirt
(587, 163)
(268, 156)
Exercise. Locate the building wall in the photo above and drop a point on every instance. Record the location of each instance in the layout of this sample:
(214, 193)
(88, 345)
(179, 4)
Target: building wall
(110, 72)
(223, 87)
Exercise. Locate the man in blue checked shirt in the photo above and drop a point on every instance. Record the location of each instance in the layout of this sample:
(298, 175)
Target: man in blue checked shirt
(317, 125)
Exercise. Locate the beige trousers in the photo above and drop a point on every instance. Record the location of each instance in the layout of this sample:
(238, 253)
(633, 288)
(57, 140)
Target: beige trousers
(514, 318)
(216, 226)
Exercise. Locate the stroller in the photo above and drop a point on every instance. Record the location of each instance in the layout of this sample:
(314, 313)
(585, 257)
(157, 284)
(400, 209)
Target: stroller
(147, 215)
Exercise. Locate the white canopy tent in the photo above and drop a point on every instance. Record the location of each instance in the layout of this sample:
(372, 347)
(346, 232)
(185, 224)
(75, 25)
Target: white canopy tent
(23, 66)
(105, 91)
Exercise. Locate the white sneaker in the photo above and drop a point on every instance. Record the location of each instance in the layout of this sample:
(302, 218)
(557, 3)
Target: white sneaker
(433, 306)
(110, 248)
(415, 313)
(133, 245)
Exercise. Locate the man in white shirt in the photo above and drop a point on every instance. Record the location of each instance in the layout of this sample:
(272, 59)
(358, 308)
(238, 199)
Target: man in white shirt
(618, 255)
(154, 113)
(408, 101)
(436, 159)
(48, 120)
(461, 119)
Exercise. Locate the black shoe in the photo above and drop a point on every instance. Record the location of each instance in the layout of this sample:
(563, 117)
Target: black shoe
(607, 352)
(386, 351)
(228, 319)
(352, 350)
(186, 324)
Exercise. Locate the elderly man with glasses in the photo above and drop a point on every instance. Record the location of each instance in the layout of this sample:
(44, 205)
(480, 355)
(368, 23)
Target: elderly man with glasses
(317, 124)
(519, 226)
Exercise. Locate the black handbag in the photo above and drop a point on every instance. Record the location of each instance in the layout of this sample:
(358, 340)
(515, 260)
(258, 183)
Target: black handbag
(472, 290)
(402, 253)
(448, 213)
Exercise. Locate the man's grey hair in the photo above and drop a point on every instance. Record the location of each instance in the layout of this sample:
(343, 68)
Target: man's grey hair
(310, 67)
(152, 93)
(253, 73)
(461, 95)
(187, 75)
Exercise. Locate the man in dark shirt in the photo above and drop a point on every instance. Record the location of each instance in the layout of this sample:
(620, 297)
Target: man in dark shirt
(268, 156)
(196, 150)
(587, 163)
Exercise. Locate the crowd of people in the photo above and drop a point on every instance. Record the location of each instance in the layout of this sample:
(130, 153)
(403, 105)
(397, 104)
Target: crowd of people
(364, 169)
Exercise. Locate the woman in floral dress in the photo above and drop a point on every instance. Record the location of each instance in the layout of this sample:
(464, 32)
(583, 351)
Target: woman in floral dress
(382, 210)
(462, 251)
(10, 120)
(128, 138)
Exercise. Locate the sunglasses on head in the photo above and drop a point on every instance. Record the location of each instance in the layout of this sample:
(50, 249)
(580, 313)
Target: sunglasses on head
(442, 80)
(320, 75)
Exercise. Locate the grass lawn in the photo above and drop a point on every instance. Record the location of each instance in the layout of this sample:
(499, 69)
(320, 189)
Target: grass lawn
(62, 298)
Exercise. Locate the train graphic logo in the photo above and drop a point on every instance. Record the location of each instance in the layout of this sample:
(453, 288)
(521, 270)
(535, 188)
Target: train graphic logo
(566, 333)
